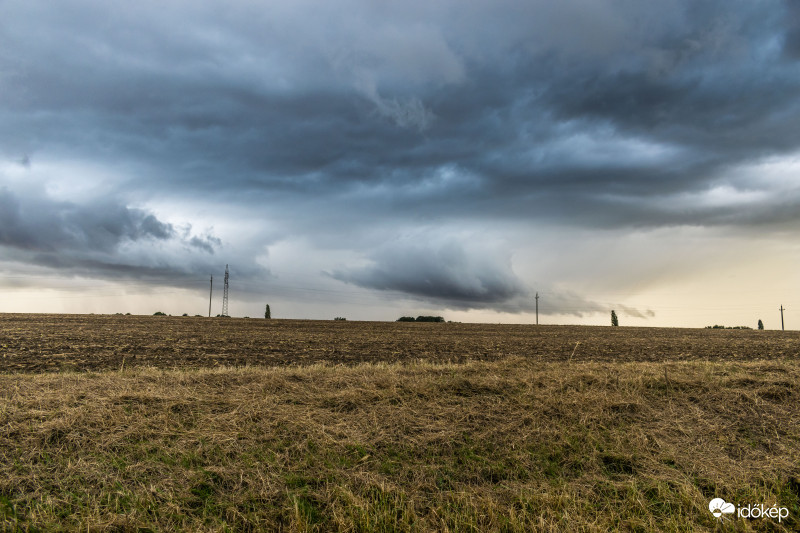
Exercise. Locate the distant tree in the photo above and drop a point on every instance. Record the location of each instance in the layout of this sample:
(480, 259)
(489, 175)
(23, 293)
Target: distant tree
(430, 319)
(406, 319)
(159, 313)
(614, 319)
(760, 324)
(185, 314)
(340, 318)
(267, 312)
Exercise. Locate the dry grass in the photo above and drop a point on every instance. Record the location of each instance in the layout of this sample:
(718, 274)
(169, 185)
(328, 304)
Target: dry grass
(515, 444)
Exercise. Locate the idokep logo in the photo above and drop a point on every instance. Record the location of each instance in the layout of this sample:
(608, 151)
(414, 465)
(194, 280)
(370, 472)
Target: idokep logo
(720, 507)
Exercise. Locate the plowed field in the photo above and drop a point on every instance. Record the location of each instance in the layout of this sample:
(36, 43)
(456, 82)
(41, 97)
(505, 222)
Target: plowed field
(46, 343)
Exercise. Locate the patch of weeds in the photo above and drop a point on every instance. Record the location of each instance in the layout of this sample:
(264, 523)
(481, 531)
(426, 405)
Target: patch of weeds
(164, 458)
(467, 457)
(466, 388)
(118, 499)
(42, 457)
(307, 510)
(557, 462)
(708, 487)
(204, 491)
(390, 467)
(8, 509)
(118, 462)
(357, 450)
(385, 511)
(296, 481)
(786, 494)
(191, 460)
(506, 469)
(659, 500)
(352, 455)
(445, 479)
(459, 515)
(670, 462)
(793, 485)
(617, 464)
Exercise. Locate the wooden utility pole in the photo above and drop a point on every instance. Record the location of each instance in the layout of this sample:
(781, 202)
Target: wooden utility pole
(537, 308)
(782, 310)
(210, 290)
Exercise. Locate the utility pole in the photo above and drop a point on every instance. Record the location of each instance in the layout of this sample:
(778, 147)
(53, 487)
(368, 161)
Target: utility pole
(210, 291)
(537, 308)
(782, 310)
(225, 294)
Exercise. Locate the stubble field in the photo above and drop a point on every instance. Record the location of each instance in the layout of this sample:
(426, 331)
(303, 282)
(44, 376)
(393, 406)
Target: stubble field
(126, 423)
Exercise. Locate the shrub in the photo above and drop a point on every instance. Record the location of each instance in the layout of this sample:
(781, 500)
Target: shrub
(159, 313)
(340, 318)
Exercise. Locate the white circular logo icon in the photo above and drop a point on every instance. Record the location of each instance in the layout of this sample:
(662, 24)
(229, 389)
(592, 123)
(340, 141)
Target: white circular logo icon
(718, 507)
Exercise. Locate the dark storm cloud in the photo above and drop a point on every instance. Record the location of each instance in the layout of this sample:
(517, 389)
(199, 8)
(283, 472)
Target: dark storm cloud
(341, 119)
(244, 98)
(446, 273)
(39, 224)
(463, 276)
(205, 243)
(791, 41)
(103, 237)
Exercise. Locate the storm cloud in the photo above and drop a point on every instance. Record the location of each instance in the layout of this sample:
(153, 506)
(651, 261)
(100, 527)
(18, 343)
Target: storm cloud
(102, 238)
(40, 224)
(445, 273)
(347, 127)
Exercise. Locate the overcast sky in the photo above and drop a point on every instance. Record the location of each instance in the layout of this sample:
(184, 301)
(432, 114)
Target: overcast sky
(371, 159)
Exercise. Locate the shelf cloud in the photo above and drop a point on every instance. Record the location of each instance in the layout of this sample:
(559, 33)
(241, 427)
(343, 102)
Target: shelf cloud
(348, 127)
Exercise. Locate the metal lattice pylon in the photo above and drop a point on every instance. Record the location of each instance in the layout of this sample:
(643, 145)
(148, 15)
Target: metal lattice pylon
(225, 294)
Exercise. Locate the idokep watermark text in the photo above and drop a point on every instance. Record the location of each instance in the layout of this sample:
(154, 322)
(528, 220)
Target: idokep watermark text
(722, 509)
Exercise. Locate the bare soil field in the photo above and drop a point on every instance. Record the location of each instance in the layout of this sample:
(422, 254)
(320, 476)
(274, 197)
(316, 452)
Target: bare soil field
(46, 343)
(126, 423)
